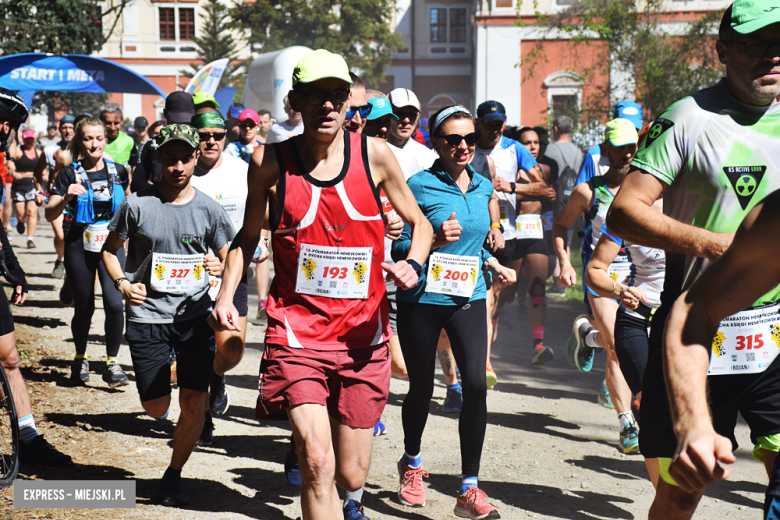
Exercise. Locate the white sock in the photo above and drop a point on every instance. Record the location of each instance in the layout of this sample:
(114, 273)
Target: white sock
(625, 419)
(29, 237)
(590, 339)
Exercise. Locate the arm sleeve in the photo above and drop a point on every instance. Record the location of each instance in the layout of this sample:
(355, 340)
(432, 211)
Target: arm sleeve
(400, 248)
(123, 223)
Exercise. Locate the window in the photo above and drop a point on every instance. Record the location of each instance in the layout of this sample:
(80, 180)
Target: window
(503, 3)
(438, 25)
(186, 23)
(449, 26)
(96, 17)
(167, 24)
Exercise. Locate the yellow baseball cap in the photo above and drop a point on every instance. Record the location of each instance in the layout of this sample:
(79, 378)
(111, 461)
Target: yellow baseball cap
(621, 132)
(320, 64)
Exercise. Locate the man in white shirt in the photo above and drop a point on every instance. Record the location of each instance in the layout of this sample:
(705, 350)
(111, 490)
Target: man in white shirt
(406, 107)
(286, 129)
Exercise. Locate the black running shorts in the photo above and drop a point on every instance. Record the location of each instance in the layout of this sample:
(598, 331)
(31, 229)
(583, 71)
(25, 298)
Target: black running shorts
(517, 249)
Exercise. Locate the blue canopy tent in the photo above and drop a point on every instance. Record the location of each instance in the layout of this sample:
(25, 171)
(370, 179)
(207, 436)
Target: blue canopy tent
(71, 73)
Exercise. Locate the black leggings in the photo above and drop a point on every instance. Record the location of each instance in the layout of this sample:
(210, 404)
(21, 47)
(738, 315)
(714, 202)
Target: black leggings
(631, 348)
(419, 326)
(80, 267)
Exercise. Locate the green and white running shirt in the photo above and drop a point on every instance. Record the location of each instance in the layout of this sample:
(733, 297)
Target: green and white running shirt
(720, 157)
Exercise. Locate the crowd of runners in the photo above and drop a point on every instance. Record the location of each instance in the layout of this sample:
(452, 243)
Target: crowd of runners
(398, 240)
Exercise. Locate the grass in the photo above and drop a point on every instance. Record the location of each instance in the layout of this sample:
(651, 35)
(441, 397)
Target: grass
(573, 293)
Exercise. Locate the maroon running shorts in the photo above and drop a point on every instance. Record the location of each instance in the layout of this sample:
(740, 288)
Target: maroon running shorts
(352, 384)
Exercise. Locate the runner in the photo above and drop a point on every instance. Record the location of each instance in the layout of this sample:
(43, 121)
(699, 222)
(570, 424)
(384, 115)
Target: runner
(407, 108)
(359, 109)
(223, 178)
(247, 142)
(592, 199)
(34, 448)
(24, 159)
(264, 125)
(491, 120)
(50, 138)
(171, 228)
(720, 142)
(232, 122)
(119, 146)
(529, 248)
(449, 188)
(92, 187)
(333, 429)
(639, 295)
(57, 157)
(286, 129)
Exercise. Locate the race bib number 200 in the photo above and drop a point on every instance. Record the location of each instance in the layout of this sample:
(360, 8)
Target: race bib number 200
(178, 273)
(747, 342)
(452, 274)
(334, 272)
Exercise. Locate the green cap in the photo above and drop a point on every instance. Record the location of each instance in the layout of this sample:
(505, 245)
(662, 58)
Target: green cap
(320, 64)
(204, 97)
(621, 132)
(208, 120)
(177, 132)
(380, 107)
(749, 16)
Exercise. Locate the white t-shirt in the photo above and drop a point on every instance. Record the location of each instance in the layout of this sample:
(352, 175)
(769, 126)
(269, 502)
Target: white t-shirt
(424, 156)
(409, 167)
(227, 185)
(505, 160)
(282, 131)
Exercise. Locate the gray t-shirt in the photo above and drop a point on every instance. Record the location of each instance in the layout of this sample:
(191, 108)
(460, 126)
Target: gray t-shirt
(565, 153)
(155, 226)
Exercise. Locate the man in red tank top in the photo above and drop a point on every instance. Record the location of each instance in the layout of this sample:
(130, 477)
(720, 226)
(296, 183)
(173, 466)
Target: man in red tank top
(326, 365)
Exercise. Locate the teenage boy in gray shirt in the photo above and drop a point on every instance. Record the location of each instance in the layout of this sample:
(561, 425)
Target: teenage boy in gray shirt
(171, 226)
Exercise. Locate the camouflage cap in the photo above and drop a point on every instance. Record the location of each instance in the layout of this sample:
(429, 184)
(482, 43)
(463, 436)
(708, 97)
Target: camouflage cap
(178, 132)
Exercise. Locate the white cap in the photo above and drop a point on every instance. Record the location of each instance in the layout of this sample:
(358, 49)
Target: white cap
(403, 97)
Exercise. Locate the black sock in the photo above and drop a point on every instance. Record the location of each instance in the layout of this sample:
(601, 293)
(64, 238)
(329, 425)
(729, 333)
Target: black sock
(171, 473)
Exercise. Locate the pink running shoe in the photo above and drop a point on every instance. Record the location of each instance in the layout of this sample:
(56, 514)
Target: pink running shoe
(474, 504)
(410, 490)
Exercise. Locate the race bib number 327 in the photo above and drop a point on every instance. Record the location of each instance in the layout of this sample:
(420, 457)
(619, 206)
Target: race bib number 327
(178, 273)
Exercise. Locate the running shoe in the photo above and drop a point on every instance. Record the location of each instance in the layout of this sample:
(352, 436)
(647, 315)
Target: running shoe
(556, 289)
(354, 511)
(207, 434)
(454, 400)
(629, 439)
(491, 377)
(219, 399)
(577, 352)
(20, 227)
(604, 399)
(38, 452)
(261, 310)
(171, 492)
(59, 269)
(410, 489)
(380, 429)
(31, 244)
(114, 376)
(474, 504)
(292, 468)
(542, 355)
(79, 371)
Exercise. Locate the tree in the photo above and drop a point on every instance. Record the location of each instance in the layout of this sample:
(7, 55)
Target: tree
(217, 43)
(642, 56)
(58, 27)
(359, 30)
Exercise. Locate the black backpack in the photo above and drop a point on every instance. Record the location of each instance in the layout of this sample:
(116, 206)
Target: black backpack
(567, 179)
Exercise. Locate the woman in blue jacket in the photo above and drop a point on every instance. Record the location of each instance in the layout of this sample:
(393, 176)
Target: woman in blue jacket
(449, 296)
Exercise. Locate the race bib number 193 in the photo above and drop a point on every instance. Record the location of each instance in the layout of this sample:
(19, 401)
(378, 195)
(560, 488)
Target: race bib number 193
(334, 272)
(747, 342)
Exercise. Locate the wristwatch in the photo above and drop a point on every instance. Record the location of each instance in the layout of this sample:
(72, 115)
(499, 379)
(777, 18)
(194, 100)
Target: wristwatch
(417, 267)
(118, 282)
(512, 186)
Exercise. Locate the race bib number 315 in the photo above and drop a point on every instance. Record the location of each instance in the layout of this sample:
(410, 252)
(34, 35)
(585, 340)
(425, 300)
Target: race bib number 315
(747, 342)
(334, 272)
(178, 273)
(452, 274)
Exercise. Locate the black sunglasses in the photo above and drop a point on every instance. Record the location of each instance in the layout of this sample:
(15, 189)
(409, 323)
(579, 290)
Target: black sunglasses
(455, 139)
(758, 48)
(364, 111)
(218, 136)
(317, 98)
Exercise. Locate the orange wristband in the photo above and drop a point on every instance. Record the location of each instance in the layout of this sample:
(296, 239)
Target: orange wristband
(495, 224)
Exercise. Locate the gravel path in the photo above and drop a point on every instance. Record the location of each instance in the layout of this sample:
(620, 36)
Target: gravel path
(550, 452)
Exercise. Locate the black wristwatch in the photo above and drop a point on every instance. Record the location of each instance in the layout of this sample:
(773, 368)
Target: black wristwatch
(118, 282)
(512, 186)
(417, 267)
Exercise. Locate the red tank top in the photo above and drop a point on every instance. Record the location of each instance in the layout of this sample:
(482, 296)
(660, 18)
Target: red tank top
(340, 213)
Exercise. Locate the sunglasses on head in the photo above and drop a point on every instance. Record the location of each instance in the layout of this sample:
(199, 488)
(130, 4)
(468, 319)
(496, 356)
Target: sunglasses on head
(205, 136)
(364, 111)
(455, 139)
